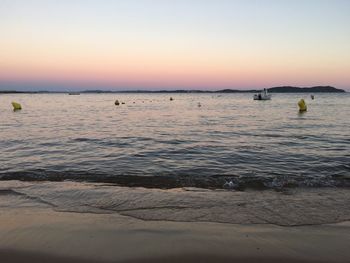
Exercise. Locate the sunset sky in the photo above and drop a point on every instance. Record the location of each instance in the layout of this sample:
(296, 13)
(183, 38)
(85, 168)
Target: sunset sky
(173, 44)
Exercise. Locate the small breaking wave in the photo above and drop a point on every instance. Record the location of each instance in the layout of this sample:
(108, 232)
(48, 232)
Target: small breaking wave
(295, 207)
(164, 181)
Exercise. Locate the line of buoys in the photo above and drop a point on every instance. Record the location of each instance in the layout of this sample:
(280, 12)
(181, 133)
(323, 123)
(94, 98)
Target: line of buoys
(16, 106)
(302, 105)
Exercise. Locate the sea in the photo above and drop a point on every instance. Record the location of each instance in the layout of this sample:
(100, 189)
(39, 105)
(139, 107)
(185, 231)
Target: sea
(200, 140)
(185, 157)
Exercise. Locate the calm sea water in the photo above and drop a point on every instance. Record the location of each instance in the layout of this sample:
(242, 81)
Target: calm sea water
(230, 141)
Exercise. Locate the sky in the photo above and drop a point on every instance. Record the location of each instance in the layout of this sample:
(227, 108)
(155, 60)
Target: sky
(173, 44)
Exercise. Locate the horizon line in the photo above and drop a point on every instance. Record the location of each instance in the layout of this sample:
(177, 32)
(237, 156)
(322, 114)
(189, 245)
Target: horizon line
(179, 90)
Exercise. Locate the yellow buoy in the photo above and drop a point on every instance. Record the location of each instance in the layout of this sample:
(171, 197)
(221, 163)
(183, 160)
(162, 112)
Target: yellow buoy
(302, 105)
(16, 106)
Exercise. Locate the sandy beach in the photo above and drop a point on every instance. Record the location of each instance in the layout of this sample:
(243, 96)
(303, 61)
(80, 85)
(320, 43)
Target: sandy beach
(34, 230)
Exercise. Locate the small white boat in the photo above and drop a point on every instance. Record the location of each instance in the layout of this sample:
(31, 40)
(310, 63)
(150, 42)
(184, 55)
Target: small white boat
(262, 95)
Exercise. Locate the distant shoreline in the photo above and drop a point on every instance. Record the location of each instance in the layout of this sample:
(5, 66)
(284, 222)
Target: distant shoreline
(282, 89)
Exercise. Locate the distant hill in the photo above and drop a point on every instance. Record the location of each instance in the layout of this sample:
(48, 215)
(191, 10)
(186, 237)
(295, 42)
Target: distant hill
(235, 91)
(283, 89)
(96, 91)
(305, 89)
(10, 91)
(288, 89)
(24, 92)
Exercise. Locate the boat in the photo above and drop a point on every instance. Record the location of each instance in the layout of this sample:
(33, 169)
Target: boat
(73, 93)
(262, 95)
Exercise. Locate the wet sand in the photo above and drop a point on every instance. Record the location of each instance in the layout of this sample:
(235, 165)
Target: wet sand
(46, 236)
(19, 257)
(32, 230)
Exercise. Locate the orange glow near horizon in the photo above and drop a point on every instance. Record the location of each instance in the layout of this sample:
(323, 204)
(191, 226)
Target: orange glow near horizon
(184, 68)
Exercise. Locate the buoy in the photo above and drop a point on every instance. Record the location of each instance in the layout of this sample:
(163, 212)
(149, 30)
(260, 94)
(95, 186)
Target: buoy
(171, 99)
(16, 106)
(117, 102)
(312, 97)
(302, 105)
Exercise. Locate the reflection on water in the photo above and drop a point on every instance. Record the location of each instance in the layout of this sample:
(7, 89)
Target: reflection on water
(152, 141)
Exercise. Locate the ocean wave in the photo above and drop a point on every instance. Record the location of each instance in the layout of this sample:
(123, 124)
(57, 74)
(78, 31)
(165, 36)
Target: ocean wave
(166, 181)
(294, 207)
